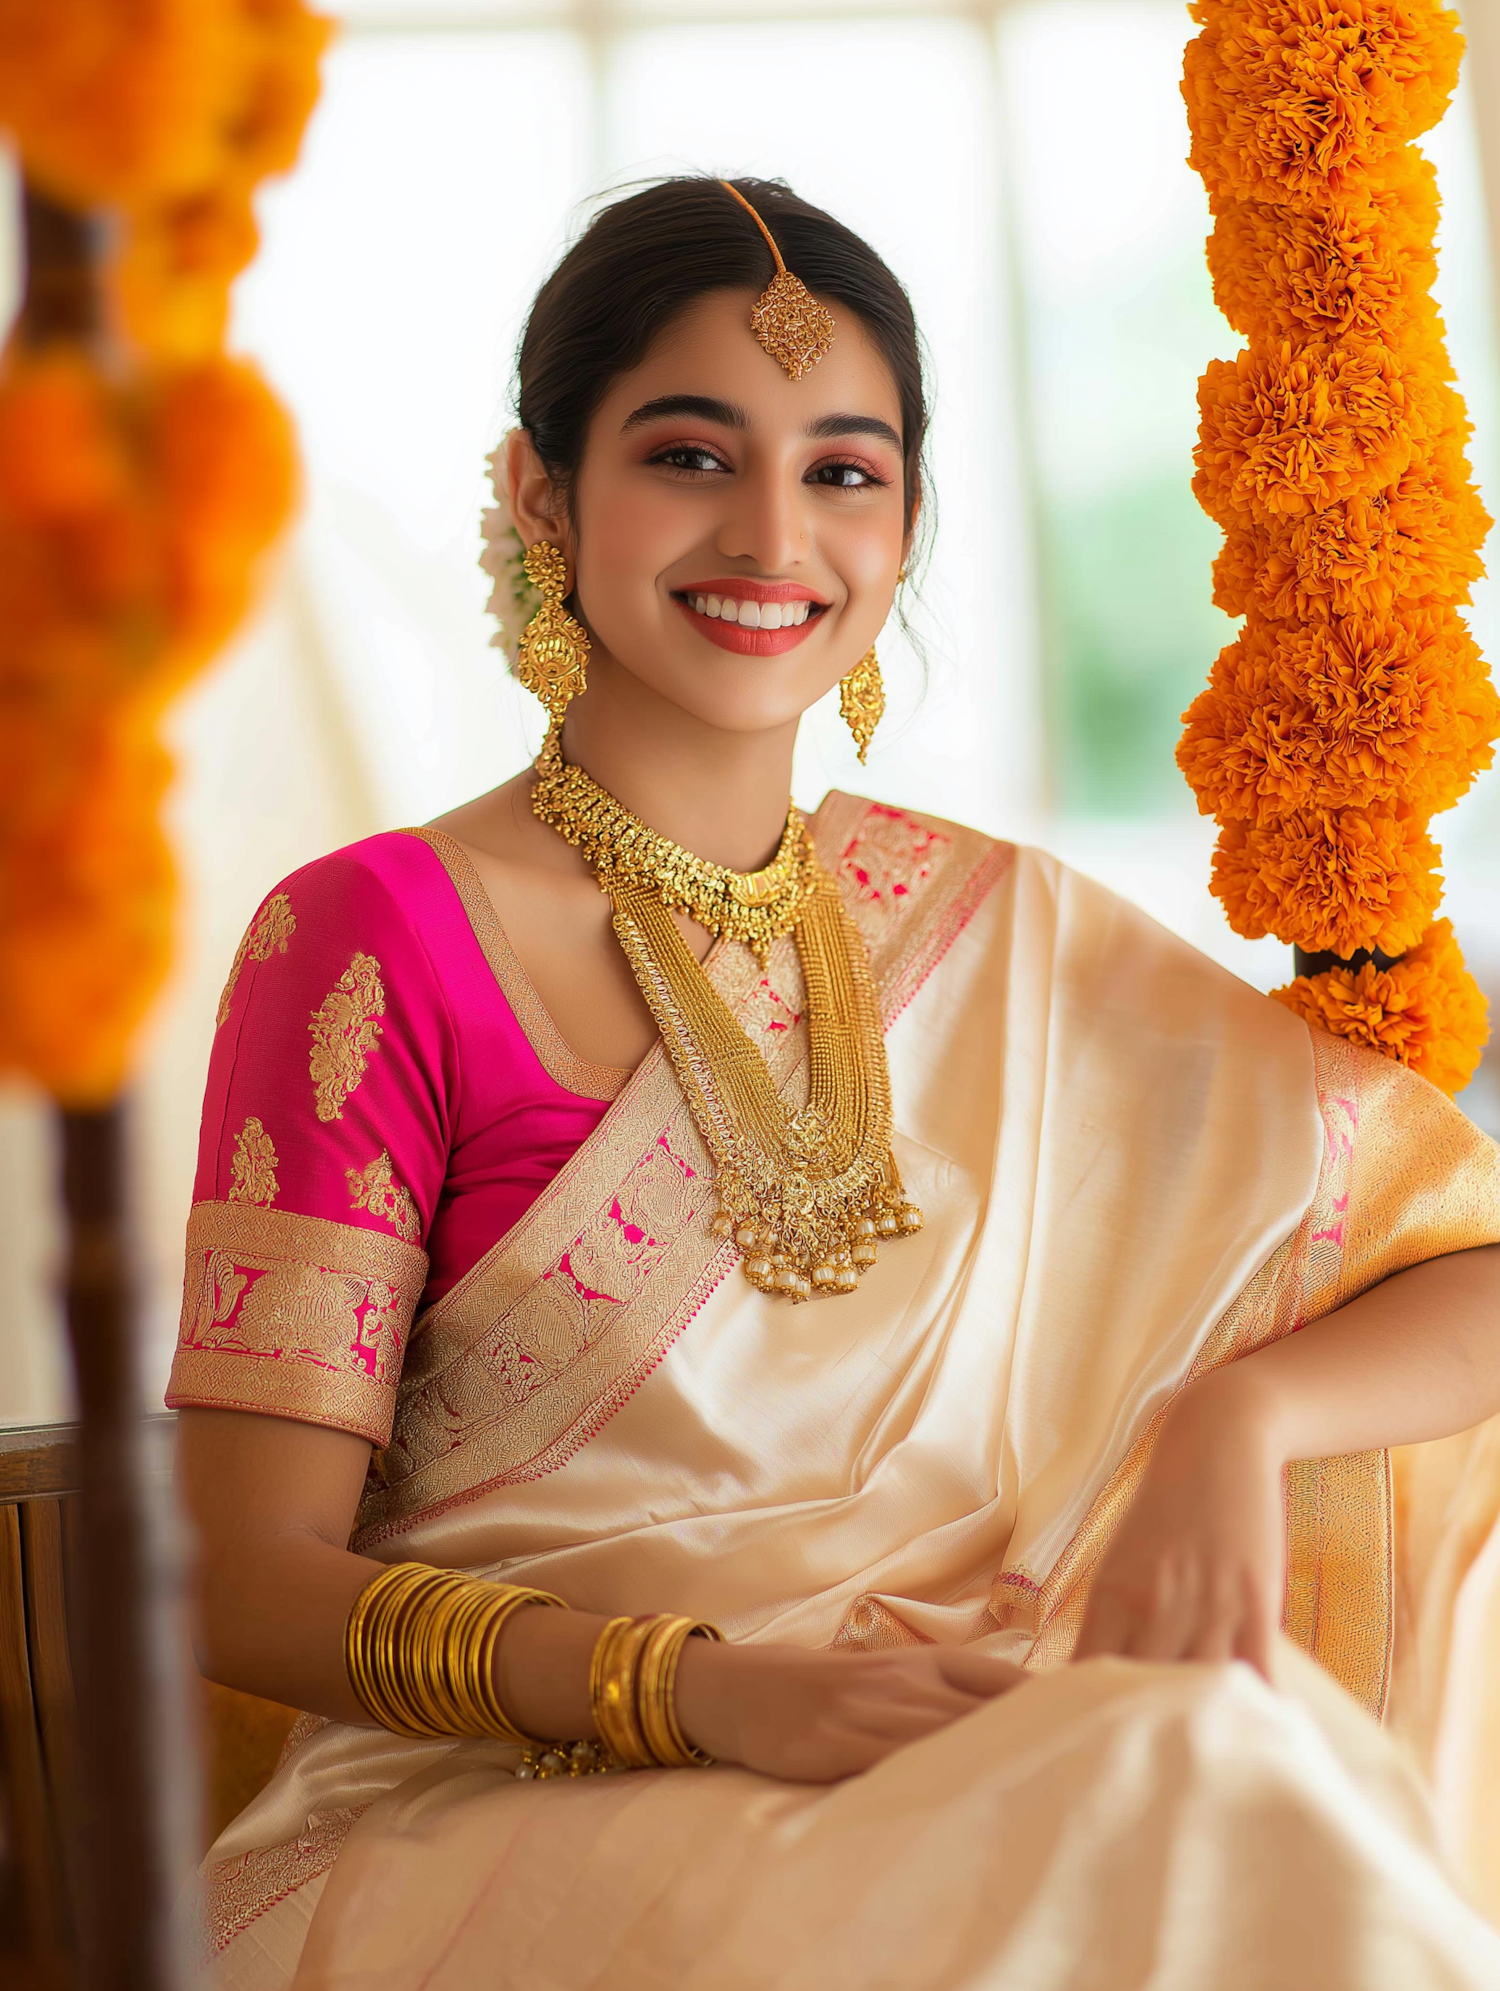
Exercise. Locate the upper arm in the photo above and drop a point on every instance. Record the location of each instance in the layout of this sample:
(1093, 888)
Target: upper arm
(247, 1480)
(324, 1145)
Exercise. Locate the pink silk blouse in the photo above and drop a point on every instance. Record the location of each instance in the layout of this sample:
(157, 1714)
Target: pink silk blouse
(382, 1060)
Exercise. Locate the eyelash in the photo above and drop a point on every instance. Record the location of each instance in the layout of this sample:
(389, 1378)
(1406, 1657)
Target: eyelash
(872, 480)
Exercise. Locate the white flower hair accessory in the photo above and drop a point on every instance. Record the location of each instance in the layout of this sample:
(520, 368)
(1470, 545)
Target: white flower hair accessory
(513, 600)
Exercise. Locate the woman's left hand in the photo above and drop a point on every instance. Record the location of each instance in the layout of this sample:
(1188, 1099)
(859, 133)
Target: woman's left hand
(1197, 1567)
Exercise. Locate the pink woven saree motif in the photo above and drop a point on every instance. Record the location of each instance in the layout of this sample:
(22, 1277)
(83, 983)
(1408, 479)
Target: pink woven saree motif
(564, 1318)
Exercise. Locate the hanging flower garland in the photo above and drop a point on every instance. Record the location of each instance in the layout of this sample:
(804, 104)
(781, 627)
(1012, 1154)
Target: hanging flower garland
(143, 475)
(1354, 705)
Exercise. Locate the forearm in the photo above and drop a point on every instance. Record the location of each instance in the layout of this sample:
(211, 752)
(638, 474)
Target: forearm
(273, 1503)
(1416, 1357)
(273, 1625)
(271, 1622)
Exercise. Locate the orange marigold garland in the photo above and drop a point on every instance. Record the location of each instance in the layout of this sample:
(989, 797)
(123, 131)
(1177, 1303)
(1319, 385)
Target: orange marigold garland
(1354, 705)
(139, 486)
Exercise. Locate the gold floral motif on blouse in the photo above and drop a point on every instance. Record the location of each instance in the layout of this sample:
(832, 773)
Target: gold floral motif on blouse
(254, 1166)
(376, 1189)
(267, 934)
(344, 1031)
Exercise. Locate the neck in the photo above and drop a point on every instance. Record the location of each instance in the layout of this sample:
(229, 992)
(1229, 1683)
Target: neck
(721, 795)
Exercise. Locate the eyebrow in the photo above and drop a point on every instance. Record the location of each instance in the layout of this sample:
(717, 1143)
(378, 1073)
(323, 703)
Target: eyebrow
(828, 426)
(704, 406)
(730, 416)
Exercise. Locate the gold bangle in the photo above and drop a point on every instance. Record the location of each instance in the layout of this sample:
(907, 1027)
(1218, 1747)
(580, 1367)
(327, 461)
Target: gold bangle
(419, 1646)
(656, 1691)
(612, 1690)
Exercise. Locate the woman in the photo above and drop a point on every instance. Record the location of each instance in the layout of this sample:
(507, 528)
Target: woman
(511, 1188)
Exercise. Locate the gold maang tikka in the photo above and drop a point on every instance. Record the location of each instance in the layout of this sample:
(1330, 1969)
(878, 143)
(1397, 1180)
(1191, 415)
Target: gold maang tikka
(553, 652)
(788, 320)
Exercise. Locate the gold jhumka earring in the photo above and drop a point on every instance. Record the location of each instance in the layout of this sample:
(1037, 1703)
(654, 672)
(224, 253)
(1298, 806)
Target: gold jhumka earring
(788, 320)
(554, 648)
(862, 701)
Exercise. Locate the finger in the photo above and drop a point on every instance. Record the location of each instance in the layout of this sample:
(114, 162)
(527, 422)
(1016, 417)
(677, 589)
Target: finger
(1106, 1626)
(977, 1673)
(882, 1714)
(1175, 1610)
(1218, 1629)
(1256, 1638)
(896, 1728)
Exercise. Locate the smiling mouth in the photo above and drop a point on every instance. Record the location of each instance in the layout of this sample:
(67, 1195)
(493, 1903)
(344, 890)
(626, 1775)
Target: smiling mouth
(751, 614)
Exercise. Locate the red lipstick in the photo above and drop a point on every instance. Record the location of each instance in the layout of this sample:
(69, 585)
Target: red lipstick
(751, 618)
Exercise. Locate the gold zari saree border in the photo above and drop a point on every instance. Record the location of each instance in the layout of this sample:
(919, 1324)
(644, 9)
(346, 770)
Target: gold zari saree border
(294, 1316)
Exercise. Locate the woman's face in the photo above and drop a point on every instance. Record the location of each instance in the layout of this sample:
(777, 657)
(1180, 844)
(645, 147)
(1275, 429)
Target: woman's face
(738, 534)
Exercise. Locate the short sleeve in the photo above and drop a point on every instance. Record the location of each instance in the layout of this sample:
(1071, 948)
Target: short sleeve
(324, 1144)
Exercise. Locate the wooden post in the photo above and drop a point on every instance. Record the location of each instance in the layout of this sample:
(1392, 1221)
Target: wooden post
(139, 1785)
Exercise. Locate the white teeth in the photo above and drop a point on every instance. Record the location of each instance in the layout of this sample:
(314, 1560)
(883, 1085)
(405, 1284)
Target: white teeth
(751, 614)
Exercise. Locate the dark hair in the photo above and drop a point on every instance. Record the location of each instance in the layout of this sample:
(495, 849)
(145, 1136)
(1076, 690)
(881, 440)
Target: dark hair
(645, 258)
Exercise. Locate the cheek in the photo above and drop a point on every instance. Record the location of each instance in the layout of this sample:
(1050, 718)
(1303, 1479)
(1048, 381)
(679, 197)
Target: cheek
(630, 535)
(864, 550)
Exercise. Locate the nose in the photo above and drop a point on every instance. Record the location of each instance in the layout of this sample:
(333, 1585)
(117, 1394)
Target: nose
(766, 521)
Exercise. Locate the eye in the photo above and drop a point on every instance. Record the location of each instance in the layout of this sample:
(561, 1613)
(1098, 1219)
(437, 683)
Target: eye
(693, 457)
(846, 477)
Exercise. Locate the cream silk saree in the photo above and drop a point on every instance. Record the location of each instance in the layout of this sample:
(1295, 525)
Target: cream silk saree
(1134, 1168)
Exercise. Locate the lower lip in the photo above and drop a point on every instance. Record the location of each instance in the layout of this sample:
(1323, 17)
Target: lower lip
(748, 642)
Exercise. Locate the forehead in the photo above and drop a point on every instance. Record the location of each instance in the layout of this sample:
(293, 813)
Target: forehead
(709, 350)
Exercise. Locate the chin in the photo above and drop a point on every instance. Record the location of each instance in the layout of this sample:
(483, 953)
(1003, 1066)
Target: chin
(738, 695)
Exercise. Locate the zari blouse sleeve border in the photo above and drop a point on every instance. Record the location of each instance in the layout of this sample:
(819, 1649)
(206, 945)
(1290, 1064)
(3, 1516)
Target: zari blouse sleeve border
(294, 1317)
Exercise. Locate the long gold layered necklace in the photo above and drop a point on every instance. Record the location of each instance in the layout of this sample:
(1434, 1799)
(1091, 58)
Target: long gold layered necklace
(804, 1195)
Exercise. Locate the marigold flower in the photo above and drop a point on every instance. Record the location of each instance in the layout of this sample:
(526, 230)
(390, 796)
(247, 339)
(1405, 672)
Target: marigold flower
(1329, 881)
(1288, 433)
(226, 459)
(1354, 705)
(171, 279)
(87, 934)
(117, 103)
(1426, 1010)
(1358, 712)
(1300, 101)
(285, 46)
(61, 455)
(1416, 542)
(1328, 273)
(135, 503)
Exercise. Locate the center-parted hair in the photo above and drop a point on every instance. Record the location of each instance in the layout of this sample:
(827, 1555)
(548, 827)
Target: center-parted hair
(644, 259)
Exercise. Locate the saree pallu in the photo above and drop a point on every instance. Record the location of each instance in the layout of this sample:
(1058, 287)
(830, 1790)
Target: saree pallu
(1134, 1168)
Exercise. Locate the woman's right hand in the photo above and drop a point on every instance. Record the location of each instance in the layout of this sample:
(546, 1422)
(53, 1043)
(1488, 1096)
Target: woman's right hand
(813, 1717)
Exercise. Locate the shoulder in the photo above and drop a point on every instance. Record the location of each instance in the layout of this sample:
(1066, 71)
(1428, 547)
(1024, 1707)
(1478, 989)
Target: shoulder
(393, 886)
(889, 861)
(912, 882)
(391, 874)
(359, 911)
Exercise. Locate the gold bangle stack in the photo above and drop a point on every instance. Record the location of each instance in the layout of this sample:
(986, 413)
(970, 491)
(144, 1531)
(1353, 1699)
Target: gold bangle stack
(420, 1648)
(633, 1690)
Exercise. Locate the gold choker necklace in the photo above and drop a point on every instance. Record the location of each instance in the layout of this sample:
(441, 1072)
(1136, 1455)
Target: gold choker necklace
(757, 907)
(804, 1196)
